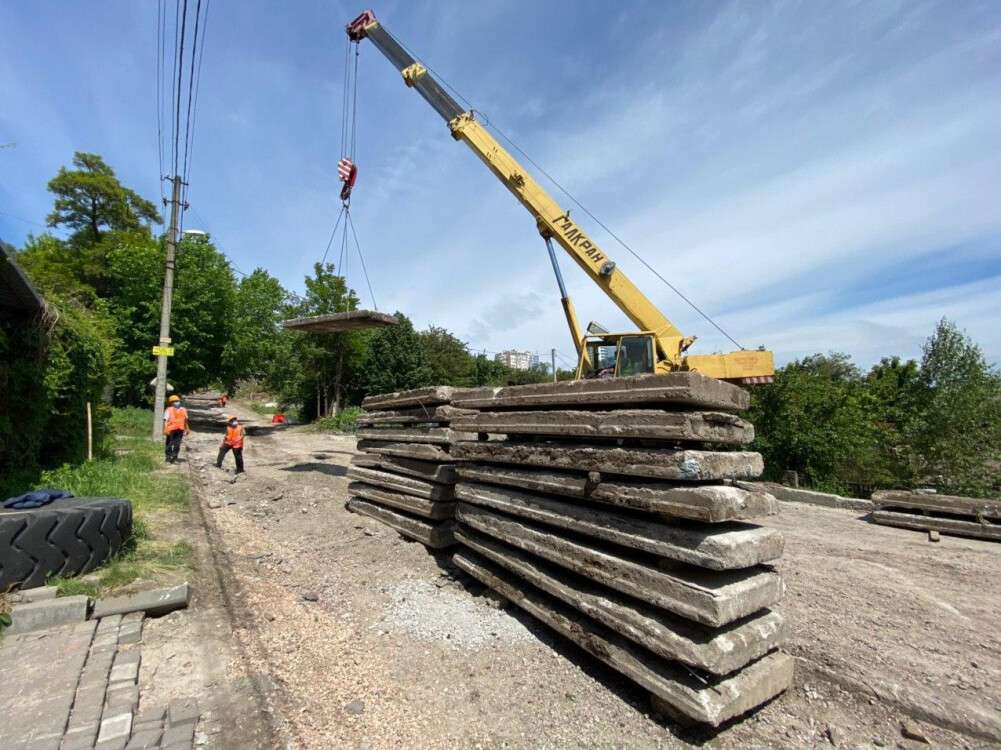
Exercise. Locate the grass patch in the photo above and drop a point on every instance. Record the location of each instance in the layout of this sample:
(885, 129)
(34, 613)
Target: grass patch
(128, 467)
(345, 421)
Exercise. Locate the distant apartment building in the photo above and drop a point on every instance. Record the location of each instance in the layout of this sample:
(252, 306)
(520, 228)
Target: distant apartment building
(517, 360)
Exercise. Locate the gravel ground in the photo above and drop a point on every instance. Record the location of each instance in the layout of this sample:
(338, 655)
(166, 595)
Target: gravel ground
(369, 641)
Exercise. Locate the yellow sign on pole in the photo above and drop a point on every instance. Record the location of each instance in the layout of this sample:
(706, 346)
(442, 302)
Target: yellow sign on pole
(163, 351)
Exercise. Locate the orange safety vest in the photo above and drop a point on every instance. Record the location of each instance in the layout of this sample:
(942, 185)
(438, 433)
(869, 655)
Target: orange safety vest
(177, 419)
(234, 436)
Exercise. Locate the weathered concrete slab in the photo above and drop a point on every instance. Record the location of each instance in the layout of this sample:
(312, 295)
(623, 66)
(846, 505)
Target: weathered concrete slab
(416, 451)
(429, 471)
(658, 463)
(48, 613)
(711, 597)
(810, 497)
(709, 503)
(710, 701)
(154, 603)
(652, 424)
(435, 535)
(431, 396)
(716, 650)
(952, 526)
(436, 510)
(935, 503)
(401, 483)
(675, 388)
(355, 320)
(715, 546)
(442, 413)
(415, 434)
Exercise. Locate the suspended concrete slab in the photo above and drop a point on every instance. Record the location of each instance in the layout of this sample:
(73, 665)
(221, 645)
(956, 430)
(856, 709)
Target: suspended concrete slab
(355, 320)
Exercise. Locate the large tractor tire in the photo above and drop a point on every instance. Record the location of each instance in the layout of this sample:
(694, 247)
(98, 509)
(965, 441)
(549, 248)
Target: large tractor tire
(67, 537)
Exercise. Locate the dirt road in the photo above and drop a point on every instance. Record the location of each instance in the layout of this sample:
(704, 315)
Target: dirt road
(359, 639)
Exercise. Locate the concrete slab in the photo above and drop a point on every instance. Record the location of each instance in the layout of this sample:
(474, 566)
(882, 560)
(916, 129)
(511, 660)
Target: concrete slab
(414, 451)
(435, 535)
(956, 527)
(714, 546)
(153, 603)
(712, 598)
(934, 503)
(719, 650)
(657, 463)
(430, 396)
(707, 701)
(415, 434)
(399, 483)
(429, 471)
(441, 414)
(436, 510)
(48, 613)
(709, 503)
(675, 388)
(651, 424)
(356, 320)
(810, 497)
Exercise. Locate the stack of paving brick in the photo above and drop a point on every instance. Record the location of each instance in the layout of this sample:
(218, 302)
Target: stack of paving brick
(607, 510)
(405, 475)
(979, 518)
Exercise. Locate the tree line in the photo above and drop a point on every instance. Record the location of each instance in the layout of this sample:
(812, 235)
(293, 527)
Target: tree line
(902, 423)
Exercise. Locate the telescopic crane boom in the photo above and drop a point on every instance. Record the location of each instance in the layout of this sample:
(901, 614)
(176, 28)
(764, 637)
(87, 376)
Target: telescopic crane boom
(658, 346)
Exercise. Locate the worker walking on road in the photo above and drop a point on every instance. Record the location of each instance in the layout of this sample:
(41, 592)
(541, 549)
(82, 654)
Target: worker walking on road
(233, 441)
(175, 427)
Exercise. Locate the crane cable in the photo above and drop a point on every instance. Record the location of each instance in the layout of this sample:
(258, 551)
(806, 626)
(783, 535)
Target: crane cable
(567, 193)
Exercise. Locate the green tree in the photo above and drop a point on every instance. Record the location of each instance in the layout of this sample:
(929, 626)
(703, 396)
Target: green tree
(892, 383)
(254, 349)
(90, 197)
(446, 359)
(394, 360)
(956, 437)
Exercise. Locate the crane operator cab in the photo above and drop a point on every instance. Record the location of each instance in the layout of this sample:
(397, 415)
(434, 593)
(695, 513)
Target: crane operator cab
(616, 355)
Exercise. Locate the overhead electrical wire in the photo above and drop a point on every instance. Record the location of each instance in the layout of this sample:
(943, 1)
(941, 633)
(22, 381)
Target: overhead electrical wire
(568, 194)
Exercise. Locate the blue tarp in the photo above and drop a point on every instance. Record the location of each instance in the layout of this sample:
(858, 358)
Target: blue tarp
(35, 499)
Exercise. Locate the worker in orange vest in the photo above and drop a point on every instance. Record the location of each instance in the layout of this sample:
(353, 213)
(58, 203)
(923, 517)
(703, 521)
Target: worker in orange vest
(175, 427)
(233, 441)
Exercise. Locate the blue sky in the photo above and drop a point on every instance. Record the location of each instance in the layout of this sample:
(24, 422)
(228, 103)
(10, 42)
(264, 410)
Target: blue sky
(818, 176)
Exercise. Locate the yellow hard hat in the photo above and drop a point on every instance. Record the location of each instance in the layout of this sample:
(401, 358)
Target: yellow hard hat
(172, 399)
(231, 417)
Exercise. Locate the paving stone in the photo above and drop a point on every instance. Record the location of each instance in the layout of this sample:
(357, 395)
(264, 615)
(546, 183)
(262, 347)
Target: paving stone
(434, 435)
(48, 614)
(716, 546)
(131, 633)
(430, 471)
(83, 742)
(710, 503)
(658, 463)
(153, 603)
(719, 651)
(133, 617)
(148, 714)
(116, 726)
(50, 742)
(181, 712)
(435, 535)
(430, 396)
(144, 739)
(399, 483)
(712, 598)
(81, 736)
(436, 510)
(415, 451)
(121, 697)
(184, 745)
(118, 743)
(127, 672)
(688, 389)
(179, 734)
(652, 424)
(709, 701)
(107, 622)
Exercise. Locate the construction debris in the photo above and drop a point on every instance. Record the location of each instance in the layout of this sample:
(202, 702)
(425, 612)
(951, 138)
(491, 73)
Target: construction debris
(405, 476)
(979, 518)
(617, 527)
(355, 320)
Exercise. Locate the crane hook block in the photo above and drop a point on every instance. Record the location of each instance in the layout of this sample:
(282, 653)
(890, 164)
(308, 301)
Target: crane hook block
(358, 28)
(347, 171)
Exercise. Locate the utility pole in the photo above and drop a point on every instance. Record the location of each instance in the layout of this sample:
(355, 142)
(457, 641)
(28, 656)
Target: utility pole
(552, 354)
(168, 298)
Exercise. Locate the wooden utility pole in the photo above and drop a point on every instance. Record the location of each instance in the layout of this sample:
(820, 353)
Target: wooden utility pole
(168, 298)
(552, 355)
(90, 435)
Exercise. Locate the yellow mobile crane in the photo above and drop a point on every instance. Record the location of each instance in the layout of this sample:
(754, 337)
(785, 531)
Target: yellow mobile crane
(658, 346)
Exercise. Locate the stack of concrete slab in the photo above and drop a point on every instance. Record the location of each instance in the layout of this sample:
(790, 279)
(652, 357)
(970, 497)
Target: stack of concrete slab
(405, 474)
(607, 509)
(949, 514)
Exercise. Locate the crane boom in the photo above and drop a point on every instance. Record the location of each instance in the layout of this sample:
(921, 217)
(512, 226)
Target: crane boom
(554, 222)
